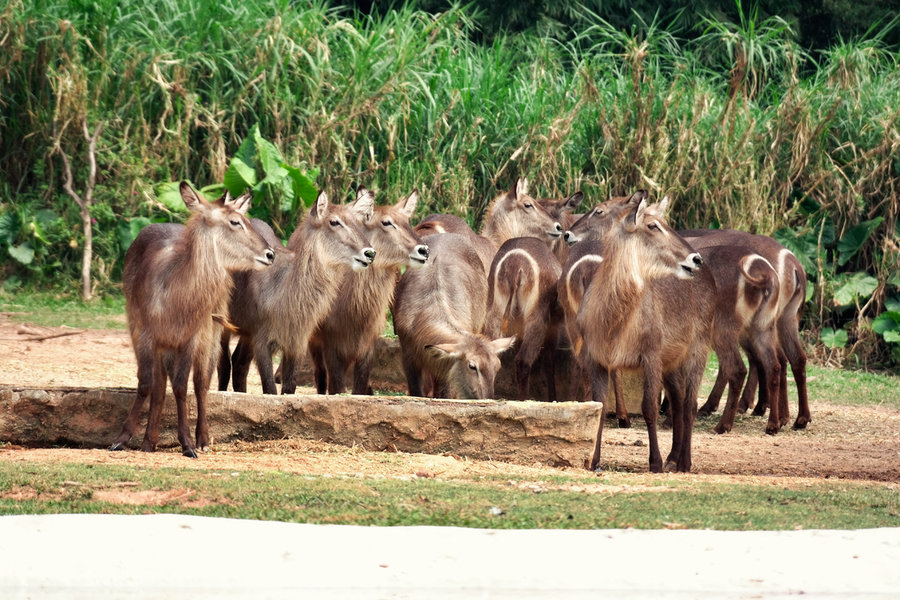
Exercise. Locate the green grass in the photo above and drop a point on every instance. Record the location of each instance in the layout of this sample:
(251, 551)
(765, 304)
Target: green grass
(561, 502)
(55, 310)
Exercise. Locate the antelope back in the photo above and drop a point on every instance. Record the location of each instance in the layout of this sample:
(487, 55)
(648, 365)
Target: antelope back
(440, 223)
(471, 362)
(521, 285)
(516, 214)
(392, 236)
(577, 274)
(332, 232)
(747, 283)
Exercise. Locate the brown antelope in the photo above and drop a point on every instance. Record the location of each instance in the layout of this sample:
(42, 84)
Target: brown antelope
(746, 309)
(348, 333)
(650, 306)
(521, 302)
(792, 293)
(240, 281)
(280, 307)
(576, 275)
(563, 211)
(175, 279)
(511, 214)
(439, 312)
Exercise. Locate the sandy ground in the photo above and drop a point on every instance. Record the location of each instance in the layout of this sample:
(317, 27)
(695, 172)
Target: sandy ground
(223, 559)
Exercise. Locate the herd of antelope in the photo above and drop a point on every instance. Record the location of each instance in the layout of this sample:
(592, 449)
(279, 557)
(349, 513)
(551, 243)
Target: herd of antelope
(617, 287)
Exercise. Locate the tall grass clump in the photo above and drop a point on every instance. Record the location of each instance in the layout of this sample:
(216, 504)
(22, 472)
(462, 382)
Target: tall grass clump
(734, 120)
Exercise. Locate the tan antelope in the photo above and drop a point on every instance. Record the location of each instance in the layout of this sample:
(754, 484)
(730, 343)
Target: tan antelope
(439, 313)
(650, 306)
(522, 302)
(175, 279)
(347, 335)
(280, 307)
(512, 213)
(576, 275)
(792, 284)
(563, 211)
(240, 282)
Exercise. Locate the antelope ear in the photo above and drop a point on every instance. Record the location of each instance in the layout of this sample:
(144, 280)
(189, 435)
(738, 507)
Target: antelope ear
(522, 187)
(501, 345)
(637, 197)
(573, 201)
(364, 205)
(444, 351)
(663, 205)
(408, 207)
(630, 222)
(190, 196)
(320, 209)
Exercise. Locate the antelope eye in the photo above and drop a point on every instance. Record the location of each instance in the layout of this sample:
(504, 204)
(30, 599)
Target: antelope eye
(529, 205)
(235, 222)
(472, 365)
(387, 224)
(654, 226)
(335, 222)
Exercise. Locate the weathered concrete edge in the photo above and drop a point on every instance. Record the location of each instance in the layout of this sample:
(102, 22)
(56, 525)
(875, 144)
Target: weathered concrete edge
(519, 432)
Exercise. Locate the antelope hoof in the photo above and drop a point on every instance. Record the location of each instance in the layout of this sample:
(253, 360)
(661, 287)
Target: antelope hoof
(117, 447)
(204, 449)
(758, 412)
(801, 422)
(148, 447)
(624, 423)
(771, 429)
(189, 452)
(721, 428)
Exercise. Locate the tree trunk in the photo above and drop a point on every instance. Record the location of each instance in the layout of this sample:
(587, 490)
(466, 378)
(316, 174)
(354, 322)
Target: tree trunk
(86, 291)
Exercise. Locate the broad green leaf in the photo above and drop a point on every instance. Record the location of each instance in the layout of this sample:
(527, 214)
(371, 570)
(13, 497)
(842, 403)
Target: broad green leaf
(288, 197)
(169, 195)
(858, 285)
(23, 253)
(892, 337)
(246, 152)
(239, 176)
(270, 158)
(45, 217)
(834, 339)
(213, 191)
(804, 247)
(128, 230)
(9, 227)
(38, 232)
(892, 303)
(886, 321)
(303, 184)
(854, 239)
(895, 280)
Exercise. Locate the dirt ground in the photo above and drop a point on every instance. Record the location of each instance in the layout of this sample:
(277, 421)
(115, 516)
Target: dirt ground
(853, 443)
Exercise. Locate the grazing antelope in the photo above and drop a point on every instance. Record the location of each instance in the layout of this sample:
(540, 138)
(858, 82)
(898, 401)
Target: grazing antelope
(439, 312)
(650, 306)
(348, 333)
(746, 310)
(280, 307)
(176, 278)
(792, 294)
(522, 302)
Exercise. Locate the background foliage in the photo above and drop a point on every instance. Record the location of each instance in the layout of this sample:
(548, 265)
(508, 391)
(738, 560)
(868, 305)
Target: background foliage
(778, 118)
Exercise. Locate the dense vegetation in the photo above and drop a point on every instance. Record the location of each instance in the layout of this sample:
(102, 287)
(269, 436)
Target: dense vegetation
(733, 118)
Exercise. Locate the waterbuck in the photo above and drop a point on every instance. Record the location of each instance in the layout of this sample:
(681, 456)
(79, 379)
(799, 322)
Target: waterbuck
(347, 335)
(792, 283)
(439, 312)
(280, 307)
(522, 302)
(175, 279)
(650, 306)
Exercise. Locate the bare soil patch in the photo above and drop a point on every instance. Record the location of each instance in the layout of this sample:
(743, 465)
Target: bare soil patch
(853, 443)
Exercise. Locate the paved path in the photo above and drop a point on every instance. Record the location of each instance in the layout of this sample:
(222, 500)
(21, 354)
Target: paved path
(163, 556)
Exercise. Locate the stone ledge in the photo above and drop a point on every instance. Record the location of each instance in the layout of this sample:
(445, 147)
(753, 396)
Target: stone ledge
(560, 434)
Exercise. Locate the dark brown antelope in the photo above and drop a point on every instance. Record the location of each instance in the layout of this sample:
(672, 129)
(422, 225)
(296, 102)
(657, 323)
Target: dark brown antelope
(358, 316)
(439, 312)
(746, 310)
(577, 274)
(280, 307)
(522, 302)
(650, 306)
(175, 279)
(792, 293)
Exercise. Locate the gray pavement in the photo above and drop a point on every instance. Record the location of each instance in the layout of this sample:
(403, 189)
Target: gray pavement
(167, 556)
